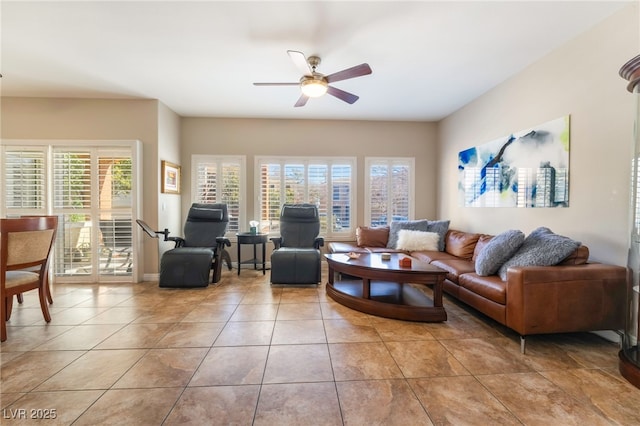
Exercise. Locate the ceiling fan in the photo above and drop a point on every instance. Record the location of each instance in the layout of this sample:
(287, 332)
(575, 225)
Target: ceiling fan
(314, 84)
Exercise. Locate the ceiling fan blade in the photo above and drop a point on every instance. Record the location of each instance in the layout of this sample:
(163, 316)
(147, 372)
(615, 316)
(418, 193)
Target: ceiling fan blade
(357, 71)
(276, 84)
(342, 95)
(300, 61)
(302, 101)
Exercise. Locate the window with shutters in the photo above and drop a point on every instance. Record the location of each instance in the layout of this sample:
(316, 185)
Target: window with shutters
(91, 190)
(25, 181)
(329, 183)
(221, 179)
(389, 190)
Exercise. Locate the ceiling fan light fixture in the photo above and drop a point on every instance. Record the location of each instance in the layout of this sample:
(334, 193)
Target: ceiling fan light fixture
(313, 87)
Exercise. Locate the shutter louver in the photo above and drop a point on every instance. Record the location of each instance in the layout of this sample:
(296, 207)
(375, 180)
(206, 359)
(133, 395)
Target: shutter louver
(25, 181)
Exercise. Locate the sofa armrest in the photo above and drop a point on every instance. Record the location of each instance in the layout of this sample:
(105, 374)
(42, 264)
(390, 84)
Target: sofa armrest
(557, 299)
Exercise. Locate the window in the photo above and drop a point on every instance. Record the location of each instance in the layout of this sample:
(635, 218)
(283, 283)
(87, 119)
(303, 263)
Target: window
(389, 186)
(329, 183)
(221, 179)
(25, 181)
(91, 190)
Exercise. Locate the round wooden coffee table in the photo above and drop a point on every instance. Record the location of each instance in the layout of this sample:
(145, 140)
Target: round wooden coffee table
(379, 287)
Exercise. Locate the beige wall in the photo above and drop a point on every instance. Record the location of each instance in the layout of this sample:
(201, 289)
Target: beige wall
(93, 119)
(251, 137)
(169, 206)
(580, 79)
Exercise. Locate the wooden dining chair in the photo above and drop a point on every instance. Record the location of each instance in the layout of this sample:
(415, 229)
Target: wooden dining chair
(25, 250)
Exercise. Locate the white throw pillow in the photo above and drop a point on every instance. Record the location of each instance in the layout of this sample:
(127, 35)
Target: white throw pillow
(417, 240)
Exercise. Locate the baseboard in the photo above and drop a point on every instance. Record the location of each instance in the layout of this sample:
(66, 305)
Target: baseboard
(151, 277)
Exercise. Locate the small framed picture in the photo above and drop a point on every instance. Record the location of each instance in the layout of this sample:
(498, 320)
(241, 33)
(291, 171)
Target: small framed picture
(171, 178)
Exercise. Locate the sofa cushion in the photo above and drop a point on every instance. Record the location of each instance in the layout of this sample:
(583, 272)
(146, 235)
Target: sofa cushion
(454, 267)
(417, 240)
(372, 236)
(431, 255)
(542, 247)
(480, 245)
(492, 288)
(497, 251)
(441, 227)
(397, 226)
(461, 244)
(579, 257)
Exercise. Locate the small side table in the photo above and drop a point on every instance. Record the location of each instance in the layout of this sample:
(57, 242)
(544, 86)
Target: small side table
(254, 239)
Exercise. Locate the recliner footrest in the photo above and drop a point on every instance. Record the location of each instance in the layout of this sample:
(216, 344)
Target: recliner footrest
(186, 267)
(292, 265)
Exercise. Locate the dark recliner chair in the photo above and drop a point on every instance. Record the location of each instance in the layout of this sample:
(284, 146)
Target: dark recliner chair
(296, 256)
(202, 248)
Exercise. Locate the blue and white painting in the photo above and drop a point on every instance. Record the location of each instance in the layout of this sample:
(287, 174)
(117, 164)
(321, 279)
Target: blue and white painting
(529, 168)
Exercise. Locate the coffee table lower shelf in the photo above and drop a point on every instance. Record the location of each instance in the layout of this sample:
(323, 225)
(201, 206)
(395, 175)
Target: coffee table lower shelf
(387, 299)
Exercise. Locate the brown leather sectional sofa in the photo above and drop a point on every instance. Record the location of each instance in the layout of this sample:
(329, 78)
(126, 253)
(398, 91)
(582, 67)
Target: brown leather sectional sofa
(575, 295)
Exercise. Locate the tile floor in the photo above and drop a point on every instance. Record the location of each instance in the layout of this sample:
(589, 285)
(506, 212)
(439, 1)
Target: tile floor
(244, 352)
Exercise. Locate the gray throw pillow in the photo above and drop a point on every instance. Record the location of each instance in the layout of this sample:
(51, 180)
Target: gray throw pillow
(541, 248)
(497, 251)
(440, 227)
(411, 225)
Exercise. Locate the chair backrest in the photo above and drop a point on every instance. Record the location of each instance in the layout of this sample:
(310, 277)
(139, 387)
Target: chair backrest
(205, 222)
(26, 242)
(299, 225)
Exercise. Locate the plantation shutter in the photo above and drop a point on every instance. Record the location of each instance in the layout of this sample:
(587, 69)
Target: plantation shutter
(71, 180)
(341, 178)
(115, 222)
(295, 183)
(25, 181)
(378, 194)
(389, 190)
(220, 180)
(325, 183)
(400, 187)
(92, 197)
(206, 181)
(319, 193)
(270, 197)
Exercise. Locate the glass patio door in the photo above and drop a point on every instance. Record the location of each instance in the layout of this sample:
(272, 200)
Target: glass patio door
(92, 191)
(92, 196)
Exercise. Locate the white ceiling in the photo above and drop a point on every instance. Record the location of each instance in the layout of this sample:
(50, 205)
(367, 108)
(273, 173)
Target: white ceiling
(200, 58)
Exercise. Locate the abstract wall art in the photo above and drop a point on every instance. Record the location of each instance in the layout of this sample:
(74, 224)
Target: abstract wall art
(529, 168)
